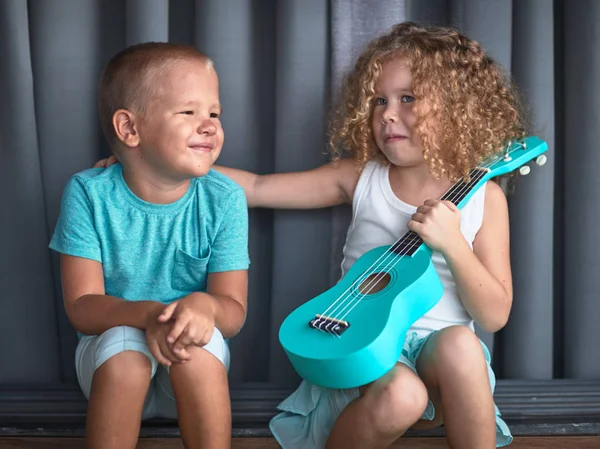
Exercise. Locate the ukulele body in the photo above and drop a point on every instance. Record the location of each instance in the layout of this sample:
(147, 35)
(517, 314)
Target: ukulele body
(371, 343)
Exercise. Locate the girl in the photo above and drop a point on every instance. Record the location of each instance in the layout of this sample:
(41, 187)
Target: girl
(420, 109)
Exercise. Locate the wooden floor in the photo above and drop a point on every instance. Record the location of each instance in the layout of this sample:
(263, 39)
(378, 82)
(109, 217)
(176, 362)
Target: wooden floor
(267, 443)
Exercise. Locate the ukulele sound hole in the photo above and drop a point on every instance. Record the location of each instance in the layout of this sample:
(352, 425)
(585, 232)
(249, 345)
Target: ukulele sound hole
(374, 283)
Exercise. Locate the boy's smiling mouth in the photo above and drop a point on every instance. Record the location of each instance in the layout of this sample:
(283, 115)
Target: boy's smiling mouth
(204, 147)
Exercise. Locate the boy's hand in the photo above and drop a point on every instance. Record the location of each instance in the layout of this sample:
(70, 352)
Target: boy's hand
(194, 318)
(438, 224)
(156, 336)
(105, 163)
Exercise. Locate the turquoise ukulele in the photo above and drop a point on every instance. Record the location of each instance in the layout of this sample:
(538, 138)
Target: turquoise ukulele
(354, 332)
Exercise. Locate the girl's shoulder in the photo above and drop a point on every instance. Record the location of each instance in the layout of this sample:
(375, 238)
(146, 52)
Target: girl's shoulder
(494, 196)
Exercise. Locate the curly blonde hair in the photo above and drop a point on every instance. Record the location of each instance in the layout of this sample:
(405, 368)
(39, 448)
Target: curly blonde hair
(466, 108)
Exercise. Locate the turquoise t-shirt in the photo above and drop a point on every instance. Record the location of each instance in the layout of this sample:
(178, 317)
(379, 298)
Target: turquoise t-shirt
(158, 252)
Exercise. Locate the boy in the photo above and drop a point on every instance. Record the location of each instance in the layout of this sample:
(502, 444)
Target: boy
(154, 254)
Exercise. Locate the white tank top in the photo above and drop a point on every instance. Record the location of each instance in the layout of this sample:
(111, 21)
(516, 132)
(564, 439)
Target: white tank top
(379, 218)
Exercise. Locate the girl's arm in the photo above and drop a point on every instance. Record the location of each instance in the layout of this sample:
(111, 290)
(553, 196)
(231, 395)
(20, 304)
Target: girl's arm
(483, 274)
(328, 185)
(325, 186)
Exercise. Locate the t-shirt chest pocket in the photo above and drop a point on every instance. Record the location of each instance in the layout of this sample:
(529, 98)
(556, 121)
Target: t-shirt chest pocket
(189, 272)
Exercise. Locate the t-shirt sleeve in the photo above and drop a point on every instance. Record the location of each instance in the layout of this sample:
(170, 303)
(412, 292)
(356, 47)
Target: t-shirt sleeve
(230, 246)
(75, 233)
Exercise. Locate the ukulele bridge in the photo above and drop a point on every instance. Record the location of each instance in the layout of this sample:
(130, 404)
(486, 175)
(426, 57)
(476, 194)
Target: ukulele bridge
(328, 324)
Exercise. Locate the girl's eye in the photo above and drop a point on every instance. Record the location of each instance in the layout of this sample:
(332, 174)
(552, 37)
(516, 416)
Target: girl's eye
(407, 99)
(380, 101)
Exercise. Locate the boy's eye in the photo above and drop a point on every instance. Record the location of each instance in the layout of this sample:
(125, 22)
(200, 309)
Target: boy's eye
(214, 115)
(188, 112)
(407, 99)
(380, 101)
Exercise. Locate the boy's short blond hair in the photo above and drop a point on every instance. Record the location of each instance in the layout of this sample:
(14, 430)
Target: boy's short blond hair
(133, 77)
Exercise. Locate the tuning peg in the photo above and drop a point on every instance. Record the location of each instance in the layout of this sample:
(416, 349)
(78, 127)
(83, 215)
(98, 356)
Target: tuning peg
(541, 160)
(524, 170)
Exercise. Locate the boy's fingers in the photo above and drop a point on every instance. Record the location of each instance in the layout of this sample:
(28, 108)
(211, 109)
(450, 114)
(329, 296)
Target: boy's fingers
(157, 353)
(204, 337)
(184, 355)
(167, 312)
(177, 329)
(186, 338)
(168, 352)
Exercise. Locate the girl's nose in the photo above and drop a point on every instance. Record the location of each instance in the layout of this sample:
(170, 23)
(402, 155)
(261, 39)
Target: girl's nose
(389, 115)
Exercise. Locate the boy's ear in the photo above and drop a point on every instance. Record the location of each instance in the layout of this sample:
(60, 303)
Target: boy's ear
(125, 126)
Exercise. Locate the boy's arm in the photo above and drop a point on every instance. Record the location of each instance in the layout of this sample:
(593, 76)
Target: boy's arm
(224, 303)
(325, 186)
(89, 309)
(229, 290)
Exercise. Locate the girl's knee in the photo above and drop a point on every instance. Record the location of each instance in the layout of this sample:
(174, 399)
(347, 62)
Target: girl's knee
(397, 401)
(458, 348)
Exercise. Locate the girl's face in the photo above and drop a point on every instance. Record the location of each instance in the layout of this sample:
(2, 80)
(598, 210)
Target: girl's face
(393, 117)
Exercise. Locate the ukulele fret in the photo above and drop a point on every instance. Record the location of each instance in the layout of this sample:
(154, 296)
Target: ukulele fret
(329, 324)
(407, 245)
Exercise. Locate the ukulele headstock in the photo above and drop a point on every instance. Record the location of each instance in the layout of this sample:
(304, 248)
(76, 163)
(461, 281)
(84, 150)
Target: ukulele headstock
(516, 155)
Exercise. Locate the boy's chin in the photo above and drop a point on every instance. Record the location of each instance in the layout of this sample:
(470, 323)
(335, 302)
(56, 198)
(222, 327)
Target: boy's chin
(198, 170)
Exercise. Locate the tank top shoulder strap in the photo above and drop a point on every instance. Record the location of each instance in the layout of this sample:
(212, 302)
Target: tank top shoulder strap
(365, 182)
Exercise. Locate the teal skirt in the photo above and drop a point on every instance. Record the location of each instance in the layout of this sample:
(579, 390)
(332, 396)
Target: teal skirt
(309, 413)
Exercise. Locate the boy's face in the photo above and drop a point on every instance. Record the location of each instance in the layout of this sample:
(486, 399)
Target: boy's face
(181, 134)
(393, 116)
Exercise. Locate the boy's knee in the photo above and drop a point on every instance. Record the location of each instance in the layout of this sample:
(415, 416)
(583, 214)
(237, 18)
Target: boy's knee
(204, 361)
(397, 402)
(122, 352)
(216, 349)
(128, 368)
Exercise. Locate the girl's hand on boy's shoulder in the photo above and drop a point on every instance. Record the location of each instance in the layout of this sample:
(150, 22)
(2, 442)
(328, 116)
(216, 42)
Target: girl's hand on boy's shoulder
(194, 321)
(105, 163)
(438, 224)
(156, 337)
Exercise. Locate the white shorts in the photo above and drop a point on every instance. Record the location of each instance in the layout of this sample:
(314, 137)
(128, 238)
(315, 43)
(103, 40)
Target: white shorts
(92, 351)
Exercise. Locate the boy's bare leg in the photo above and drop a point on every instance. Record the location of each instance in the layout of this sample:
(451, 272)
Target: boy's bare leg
(119, 389)
(453, 362)
(202, 396)
(385, 410)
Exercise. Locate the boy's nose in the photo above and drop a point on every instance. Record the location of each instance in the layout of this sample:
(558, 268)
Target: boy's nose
(207, 127)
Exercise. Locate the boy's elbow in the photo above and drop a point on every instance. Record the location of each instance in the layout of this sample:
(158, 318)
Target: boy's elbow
(236, 321)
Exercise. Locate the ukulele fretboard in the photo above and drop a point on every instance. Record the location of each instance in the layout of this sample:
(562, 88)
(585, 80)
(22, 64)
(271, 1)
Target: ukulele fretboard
(410, 242)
